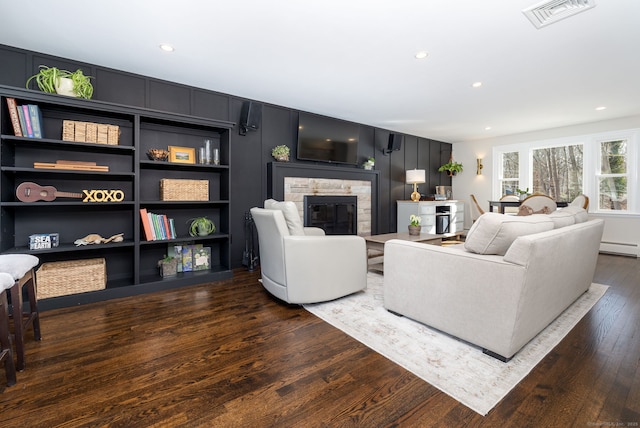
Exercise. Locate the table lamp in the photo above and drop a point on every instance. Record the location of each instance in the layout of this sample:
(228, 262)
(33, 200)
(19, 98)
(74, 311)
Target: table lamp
(415, 177)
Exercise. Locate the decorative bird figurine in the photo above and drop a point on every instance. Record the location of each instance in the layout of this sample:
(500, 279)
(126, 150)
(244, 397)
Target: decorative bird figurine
(94, 238)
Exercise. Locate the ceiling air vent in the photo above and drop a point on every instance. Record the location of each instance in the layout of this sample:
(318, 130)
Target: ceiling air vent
(548, 12)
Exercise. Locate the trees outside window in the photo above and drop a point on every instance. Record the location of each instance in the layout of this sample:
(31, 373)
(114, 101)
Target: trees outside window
(602, 166)
(510, 173)
(558, 171)
(612, 177)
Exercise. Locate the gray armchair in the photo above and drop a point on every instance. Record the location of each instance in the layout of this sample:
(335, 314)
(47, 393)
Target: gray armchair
(306, 266)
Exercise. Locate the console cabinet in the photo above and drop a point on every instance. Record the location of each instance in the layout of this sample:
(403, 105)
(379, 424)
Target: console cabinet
(131, 264)
(434, 215)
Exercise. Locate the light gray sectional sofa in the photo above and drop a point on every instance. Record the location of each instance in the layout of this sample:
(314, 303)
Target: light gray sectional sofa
(511, 278)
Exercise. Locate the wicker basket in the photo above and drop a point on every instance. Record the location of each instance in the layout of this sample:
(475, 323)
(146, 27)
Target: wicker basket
(71, 277)
(184, 190)
(88, 132)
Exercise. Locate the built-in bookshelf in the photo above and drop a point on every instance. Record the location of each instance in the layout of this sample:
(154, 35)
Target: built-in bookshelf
(122, 180)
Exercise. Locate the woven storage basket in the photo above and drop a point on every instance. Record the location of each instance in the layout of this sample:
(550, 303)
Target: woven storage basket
(71, 277)
(89, 132)
(184, 190)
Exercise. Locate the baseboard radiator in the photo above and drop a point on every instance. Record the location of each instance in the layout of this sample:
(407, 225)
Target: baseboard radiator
(620, 248)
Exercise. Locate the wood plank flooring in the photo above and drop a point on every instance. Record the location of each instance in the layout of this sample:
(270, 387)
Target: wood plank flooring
(227, 354)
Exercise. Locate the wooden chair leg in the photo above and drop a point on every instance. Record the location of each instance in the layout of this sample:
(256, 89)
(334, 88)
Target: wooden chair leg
(22, 320)
(34, 314)
(5, 342)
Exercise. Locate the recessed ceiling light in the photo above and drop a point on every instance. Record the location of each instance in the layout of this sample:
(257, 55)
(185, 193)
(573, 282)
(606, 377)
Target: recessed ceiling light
(166, 48)
(476, 84)
(487, 128)
(601, 108)
(422, 55)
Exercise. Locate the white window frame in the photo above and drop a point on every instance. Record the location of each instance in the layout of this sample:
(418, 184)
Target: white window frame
(591, 167)
(500, 179)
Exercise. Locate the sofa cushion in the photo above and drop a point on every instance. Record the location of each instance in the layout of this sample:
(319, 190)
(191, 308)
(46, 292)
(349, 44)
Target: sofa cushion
(580, 214)
(562, 218)
(493, 233)
(290, 213)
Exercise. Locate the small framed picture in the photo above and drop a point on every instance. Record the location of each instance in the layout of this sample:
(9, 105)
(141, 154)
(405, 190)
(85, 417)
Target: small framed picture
(182, 154)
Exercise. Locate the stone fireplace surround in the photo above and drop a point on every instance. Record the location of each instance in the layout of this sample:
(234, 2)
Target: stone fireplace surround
(292, 181)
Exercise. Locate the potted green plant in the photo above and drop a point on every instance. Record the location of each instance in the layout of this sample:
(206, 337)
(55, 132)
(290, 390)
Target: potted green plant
(451, 167)
(369, 163)
(522, 193)
(281, 153)
(56, 81)
(201, 226)
(414, 224)
(168, 266)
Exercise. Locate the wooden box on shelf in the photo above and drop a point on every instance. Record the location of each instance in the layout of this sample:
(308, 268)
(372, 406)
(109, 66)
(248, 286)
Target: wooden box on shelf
(184, 190)
(89, 132)
(71, 277)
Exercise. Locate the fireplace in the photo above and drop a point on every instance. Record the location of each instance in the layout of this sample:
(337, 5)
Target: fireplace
(336, 215)
(288, 181)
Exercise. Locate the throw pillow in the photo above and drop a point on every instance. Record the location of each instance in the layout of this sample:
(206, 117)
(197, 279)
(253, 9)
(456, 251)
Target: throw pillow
(493, 233)
(527, 210)
(290, 213)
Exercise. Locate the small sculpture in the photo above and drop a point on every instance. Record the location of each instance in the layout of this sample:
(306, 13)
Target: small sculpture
(94, 238)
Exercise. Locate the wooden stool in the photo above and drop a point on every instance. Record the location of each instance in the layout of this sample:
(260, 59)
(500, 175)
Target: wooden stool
(21, 268)
(6, 355)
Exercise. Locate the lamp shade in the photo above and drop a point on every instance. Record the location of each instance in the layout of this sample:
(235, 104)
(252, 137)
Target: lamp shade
(415, 176)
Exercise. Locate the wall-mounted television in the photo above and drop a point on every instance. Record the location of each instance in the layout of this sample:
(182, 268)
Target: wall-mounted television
(325, 139)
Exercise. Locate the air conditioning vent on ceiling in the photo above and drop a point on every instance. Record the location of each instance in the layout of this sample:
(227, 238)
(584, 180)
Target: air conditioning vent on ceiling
(548, 12)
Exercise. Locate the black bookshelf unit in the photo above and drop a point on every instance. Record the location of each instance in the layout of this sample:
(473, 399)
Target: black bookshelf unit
(132, 263)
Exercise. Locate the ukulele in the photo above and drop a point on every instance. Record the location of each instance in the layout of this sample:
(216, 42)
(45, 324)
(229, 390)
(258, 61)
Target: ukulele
(31, 192)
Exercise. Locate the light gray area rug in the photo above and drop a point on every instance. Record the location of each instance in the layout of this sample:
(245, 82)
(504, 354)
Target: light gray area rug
(455, 367)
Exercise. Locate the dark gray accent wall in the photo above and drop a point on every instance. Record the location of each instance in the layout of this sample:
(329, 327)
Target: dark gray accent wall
(250, 154)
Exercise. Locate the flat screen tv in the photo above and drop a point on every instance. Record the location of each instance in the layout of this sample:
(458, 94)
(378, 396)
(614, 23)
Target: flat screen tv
(325, 139)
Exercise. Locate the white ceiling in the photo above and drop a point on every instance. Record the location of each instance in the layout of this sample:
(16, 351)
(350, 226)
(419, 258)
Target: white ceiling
(354, 59)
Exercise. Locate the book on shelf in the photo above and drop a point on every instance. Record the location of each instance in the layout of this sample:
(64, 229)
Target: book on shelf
(156, 226)
(15, 118)
(176, 252)
(23, 125)
(146, 226)
(36, 120)
(166, 230)
(172, 227)
(188, 252)
(202, 258)
(187, 258)
(27, 120)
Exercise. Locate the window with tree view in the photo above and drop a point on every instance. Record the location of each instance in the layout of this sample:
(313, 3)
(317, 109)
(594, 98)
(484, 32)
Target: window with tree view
(613, 176)
(509, 180)
(603, 166)
(558, 171)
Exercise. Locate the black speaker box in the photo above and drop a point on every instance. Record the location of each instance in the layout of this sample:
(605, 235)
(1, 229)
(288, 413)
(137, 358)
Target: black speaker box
(250, 117)
(395, 142)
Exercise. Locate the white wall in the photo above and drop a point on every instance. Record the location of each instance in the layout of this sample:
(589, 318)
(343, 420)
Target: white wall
(617, 229)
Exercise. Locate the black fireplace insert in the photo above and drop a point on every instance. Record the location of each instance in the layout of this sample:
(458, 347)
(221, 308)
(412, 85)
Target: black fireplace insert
(336, 215)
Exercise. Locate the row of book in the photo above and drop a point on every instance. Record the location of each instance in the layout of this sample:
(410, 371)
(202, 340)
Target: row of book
(157, 227)
(26, 119)
(191, 257)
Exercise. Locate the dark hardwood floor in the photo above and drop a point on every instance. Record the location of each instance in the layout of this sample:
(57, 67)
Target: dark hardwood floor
(227, 354)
